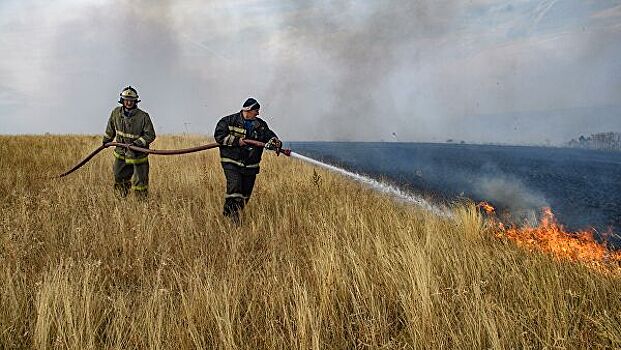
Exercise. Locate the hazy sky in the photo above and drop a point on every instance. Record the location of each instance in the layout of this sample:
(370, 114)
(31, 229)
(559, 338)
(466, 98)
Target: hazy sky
(482, 70)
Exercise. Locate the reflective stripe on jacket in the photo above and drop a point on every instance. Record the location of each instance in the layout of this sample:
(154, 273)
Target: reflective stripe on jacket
(228, 132)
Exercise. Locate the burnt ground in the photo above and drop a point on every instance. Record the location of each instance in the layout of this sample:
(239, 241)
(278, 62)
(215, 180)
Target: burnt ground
(583, 187)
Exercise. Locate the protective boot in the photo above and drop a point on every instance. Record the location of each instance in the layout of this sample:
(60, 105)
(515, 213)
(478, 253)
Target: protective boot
(141, 195)
(232, 208)
(121, 189)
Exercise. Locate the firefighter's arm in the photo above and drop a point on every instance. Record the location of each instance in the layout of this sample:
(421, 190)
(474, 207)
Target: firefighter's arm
(110, 131)
(148, 133)
(271, 139)
(222, 135)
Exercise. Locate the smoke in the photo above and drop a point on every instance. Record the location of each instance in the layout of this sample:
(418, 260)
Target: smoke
(484, 71)
(509, 191)
(80, 55)
(137, 47)
(512, 195)
(360, 47)
(433, 71)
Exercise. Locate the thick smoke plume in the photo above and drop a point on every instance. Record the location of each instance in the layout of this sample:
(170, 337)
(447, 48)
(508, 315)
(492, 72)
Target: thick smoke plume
(481, 71)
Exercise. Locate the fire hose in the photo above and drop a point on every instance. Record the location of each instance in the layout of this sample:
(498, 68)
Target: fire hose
(254, 143)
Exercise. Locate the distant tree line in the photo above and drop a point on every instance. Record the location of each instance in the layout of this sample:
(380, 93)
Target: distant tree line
(609, 141)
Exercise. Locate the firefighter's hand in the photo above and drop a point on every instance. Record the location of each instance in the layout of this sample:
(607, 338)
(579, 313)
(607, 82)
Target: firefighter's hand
(241, 142)
(273, 144)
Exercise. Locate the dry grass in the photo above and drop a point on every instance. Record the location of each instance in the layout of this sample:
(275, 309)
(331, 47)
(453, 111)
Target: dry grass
(316, 264)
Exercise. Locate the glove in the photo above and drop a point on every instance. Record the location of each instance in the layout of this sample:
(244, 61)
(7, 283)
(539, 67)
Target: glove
(137, 144)
(273, 144)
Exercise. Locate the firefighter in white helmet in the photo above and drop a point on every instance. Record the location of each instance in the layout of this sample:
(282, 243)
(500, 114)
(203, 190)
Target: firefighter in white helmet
(129, 124)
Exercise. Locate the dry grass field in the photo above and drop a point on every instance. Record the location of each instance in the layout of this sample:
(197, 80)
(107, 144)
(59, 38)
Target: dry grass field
(320, 262)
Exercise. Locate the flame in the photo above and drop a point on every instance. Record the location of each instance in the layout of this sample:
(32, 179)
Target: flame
(489, 209)
(551, 237)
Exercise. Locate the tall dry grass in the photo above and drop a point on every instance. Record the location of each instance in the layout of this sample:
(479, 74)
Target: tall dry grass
(319, 262)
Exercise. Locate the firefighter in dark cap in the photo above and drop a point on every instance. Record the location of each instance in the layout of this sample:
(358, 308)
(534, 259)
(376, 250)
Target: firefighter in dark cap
(239, 160)
(130, 124)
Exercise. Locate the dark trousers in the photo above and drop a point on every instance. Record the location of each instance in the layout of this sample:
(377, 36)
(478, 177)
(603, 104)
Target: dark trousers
(128, 175)
(239, 187)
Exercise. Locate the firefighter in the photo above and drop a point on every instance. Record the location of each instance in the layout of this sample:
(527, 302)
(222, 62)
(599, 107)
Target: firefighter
(239, 160)
(129, 124)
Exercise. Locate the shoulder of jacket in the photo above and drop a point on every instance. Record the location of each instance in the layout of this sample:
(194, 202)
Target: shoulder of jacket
(231, 117)
(141, 112)
(262, 122)
(117, 110)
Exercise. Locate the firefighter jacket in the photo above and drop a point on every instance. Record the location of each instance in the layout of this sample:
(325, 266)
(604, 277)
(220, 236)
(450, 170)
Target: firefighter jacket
(228, 132)
(134, 128)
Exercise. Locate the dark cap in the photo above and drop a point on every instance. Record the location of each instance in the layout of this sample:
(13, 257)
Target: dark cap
(251, 105)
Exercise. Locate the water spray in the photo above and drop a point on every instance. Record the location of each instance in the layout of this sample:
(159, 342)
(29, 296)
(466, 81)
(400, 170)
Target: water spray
(379, 186)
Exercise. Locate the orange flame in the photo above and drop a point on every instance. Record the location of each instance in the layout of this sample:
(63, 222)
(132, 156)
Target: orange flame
(487, 207)
(552, 238)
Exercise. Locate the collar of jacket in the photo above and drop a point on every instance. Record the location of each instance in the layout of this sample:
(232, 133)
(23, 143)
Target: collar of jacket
(128, 113)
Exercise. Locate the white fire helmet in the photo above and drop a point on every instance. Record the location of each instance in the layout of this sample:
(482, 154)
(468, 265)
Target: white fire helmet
(129, 93)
